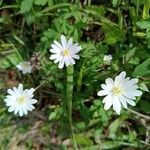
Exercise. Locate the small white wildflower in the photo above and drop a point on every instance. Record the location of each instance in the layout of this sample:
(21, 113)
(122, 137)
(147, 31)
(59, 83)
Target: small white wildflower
(64, 52)
(25, 67)
(107, 58)
(19, 100)
(121, 91)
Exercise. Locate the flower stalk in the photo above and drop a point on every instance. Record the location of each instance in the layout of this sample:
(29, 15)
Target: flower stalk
(69, 93)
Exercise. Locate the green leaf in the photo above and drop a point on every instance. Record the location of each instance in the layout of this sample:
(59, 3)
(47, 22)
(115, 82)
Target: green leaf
(95, 10)
(40, 2)
(30, 18)
(81, 125)
(143, 24)
(26, 6)
(143, 69)
(113, 127)
(14, 59)
(56, 113)
(144, 87)
(97, 102)
(145, 106)
(11, 59)
(116, 2)
(83, 140)
(130, 54)
(113, 34)
(4, 63)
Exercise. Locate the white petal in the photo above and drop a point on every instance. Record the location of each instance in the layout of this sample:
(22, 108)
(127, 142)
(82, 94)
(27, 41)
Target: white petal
(133, 81)
(71, 60)
(104, 86)
(120, 78)
(69, 43)
(130, 87)
(59, 58)
(58, 45)
(132, 93)
(135, 92)
(29, 107)
(61, 64)
(108, 102)
(24, 110)
(18, 66)
(75, 57)
(10, 101)
(117, 80)
(16, 91)
(33, 101)
(20, 112)
(102, 93)
(78, 49)
(11, 92)
(107, 58)
(11, 109)
(24, 71)
(124, 82)
(20, 88)
(54, 56)
(122, 75)
(123, 101)
(16, 110)
(109, 82)
(116, 104)
(131, 102)
(67, 62)
(31, 90)
(75, 48)
(55, 49)
(63, 41)
(106, 98)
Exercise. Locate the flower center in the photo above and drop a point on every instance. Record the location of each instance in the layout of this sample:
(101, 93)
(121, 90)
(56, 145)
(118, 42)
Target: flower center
(21, 100)
(66, 52)
(117, 91)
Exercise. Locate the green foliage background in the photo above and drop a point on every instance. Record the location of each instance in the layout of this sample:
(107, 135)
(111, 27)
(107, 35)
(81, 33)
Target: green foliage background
(117, 27)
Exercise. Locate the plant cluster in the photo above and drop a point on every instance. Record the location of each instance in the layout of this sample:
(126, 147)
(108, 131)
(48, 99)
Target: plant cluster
(55, 55)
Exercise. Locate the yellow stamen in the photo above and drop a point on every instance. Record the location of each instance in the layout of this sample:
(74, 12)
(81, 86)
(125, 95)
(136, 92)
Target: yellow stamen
(66, 52)
(117, 91)
(21, 100)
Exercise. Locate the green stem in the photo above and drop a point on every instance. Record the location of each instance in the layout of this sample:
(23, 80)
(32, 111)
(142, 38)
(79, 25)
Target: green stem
(69, 92)
(137, 9)
(146, 9)
(56, 7)
(9, 6)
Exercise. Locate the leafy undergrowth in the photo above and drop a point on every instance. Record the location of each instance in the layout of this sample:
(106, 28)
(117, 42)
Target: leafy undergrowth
(120, 28)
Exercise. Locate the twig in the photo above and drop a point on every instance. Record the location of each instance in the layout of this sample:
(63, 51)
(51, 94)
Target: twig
(40, 116)
(40, 85)
(139, 114)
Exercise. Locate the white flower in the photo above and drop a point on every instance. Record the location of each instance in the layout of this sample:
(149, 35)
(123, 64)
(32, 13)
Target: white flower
(121, 91)
(107, 58)
(19, 100)
(25, 67)
(64, 52)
